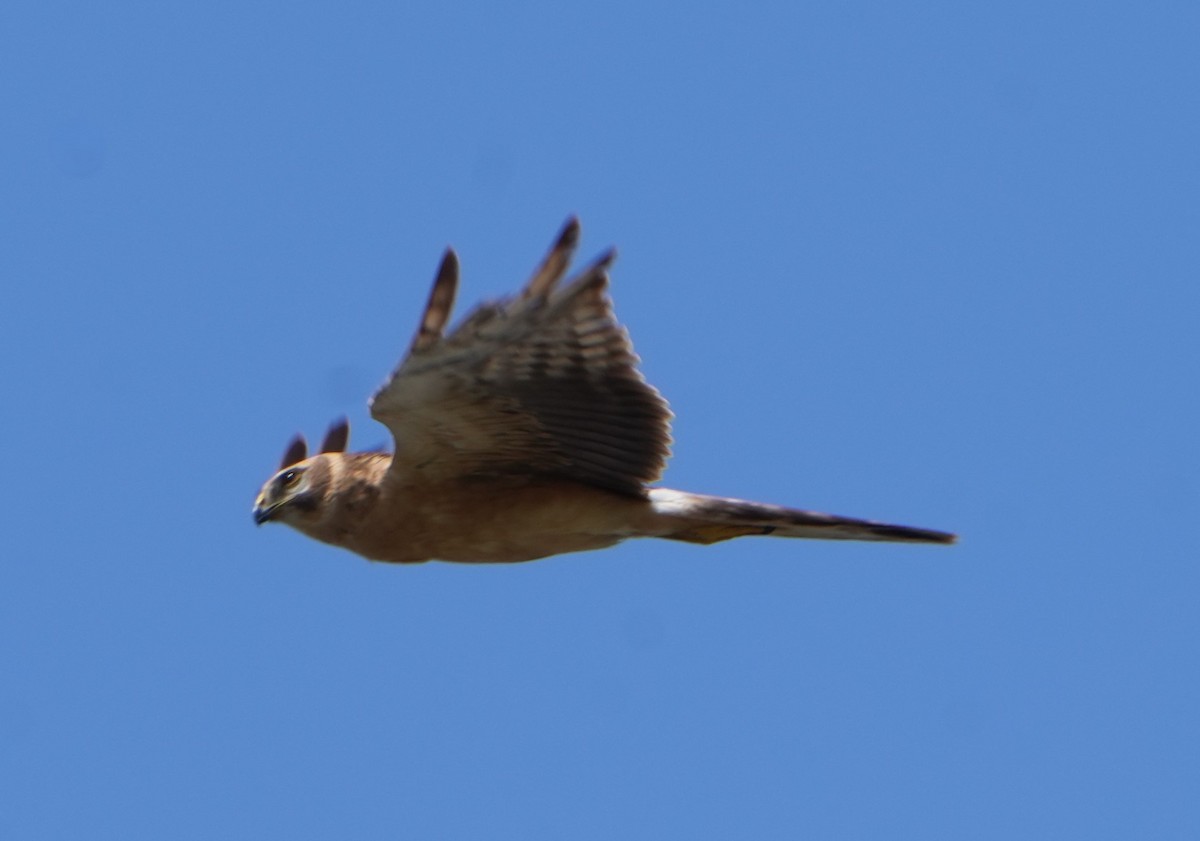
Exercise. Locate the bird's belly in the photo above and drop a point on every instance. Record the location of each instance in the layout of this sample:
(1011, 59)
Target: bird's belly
(488, 524)
(486, 549)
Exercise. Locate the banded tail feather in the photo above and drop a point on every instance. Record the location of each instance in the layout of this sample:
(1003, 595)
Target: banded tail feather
(697, 518)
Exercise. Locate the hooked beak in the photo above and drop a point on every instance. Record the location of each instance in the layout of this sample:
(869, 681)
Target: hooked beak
(262, 513)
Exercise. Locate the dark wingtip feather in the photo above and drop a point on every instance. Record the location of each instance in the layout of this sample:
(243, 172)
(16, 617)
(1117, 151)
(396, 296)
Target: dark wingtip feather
(296, 452)
(337, 437)
(554, 266)
(440, 304)
(568, 237)
(605, 260)
(592, 278)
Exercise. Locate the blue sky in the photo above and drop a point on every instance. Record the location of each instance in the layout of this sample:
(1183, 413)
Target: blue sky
(934, 263)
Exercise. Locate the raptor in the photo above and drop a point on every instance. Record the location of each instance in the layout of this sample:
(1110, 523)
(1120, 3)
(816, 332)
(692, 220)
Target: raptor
(525, 432)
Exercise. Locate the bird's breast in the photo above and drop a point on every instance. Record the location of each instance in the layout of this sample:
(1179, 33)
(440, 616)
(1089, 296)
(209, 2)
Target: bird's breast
(493, 522)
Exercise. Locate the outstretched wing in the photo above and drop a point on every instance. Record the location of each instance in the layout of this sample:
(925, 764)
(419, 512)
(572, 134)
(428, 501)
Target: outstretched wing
(544, 383)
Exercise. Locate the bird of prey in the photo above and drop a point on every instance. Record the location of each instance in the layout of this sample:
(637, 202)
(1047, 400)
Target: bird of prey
(525, 432)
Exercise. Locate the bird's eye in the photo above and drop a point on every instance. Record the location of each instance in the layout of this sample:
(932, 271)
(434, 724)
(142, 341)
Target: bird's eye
(286, 480)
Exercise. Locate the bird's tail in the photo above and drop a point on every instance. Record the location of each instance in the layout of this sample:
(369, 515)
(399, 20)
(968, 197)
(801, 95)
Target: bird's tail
(697, 518)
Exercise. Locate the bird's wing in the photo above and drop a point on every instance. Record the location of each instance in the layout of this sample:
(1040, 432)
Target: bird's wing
(544, 383)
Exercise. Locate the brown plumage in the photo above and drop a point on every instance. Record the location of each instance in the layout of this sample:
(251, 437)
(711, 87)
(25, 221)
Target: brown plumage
(526, 432)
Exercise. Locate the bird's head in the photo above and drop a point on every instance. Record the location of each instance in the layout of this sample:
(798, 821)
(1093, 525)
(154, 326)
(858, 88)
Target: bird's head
(296, 494)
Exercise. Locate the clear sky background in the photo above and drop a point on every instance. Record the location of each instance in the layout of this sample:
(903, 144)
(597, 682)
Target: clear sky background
(933, 263)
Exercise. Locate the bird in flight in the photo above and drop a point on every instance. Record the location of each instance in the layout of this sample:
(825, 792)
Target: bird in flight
(525, 432)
